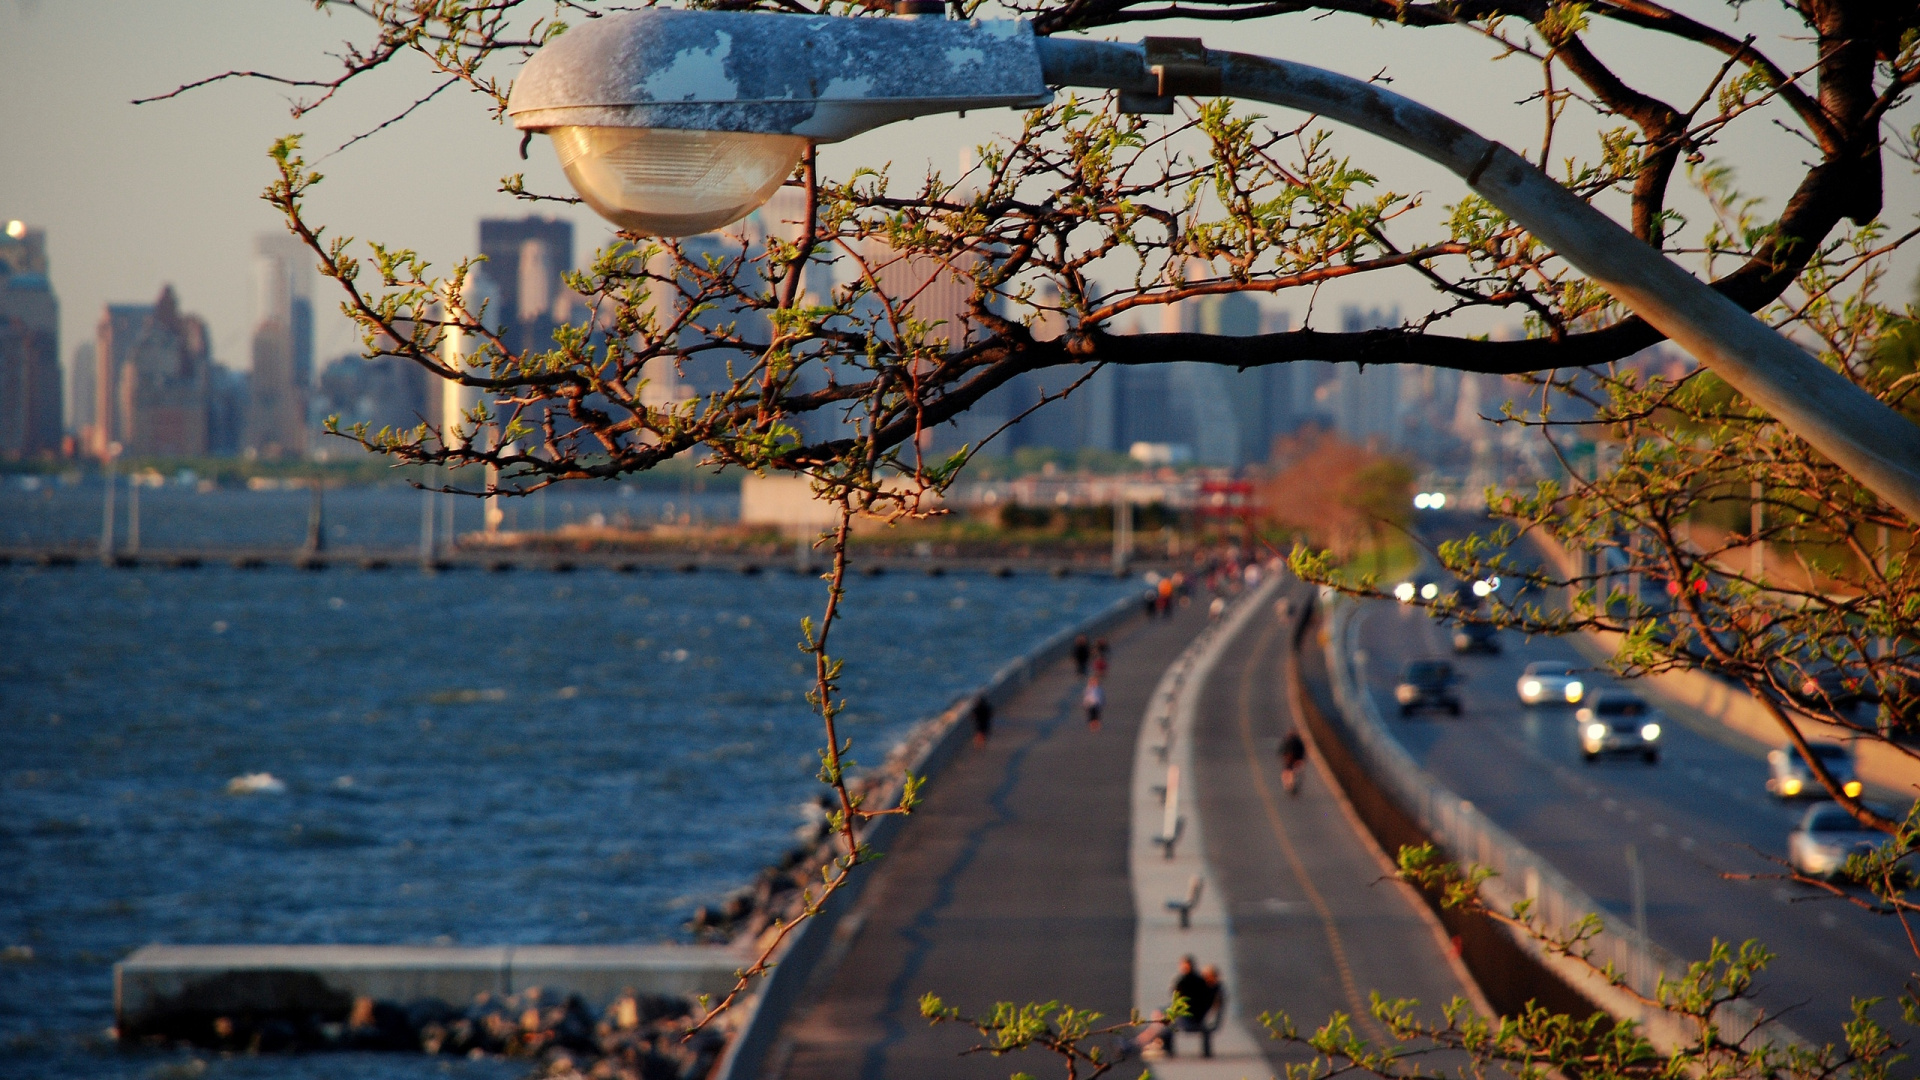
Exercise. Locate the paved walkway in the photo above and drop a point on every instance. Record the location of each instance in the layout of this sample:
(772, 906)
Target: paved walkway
(1012, 882)
(1008, 884)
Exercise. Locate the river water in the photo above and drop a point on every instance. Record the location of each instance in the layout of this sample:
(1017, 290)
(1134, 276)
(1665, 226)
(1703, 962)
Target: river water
(467, 758)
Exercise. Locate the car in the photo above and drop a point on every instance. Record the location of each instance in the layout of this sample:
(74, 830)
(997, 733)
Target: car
(1618, 722)
(1789, 778)
(1427, 684)
(1476, 638)
(1420, 586)
(1826, 836)
(1550, 682)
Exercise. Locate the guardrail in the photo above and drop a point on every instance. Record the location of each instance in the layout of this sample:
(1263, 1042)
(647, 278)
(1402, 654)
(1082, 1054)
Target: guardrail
(1466, 834)
(925, 751)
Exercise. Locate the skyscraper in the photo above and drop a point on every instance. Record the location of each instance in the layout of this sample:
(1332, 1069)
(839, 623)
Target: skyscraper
(1367, 401)
(526, 260)
(276, 424)
(387, 392)
(151, 380)
(938, 293)
(29, 346)
(82, 370)
(227, 400)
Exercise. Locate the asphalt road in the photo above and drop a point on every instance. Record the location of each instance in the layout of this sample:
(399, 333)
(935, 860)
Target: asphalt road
(1700, 814)
(1317, 920)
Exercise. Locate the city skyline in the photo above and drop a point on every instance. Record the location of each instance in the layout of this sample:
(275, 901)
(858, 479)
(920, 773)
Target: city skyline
(200, 160)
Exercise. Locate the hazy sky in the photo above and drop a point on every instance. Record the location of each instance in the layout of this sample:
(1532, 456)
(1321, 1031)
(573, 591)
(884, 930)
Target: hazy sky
(136, 196)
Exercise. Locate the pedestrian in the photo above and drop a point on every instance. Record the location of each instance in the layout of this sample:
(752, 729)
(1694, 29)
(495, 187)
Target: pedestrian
(1093, 700)
(1216, 1010)
(1100, 658)
(1150, 1042)
(1293, 751)
(1216, 609)
(1082, 654)
(982, 713)
(1165, 593)
(1192, 987)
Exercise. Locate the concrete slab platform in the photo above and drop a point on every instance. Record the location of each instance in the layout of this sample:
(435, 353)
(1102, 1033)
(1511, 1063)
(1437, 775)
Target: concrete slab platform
(160, 981)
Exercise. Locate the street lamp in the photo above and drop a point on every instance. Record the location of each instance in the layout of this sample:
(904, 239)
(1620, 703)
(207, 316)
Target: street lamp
(676, 122)
(672, 123)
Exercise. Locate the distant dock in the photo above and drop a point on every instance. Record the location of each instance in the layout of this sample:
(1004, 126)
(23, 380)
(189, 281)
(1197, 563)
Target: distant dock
(508, 560)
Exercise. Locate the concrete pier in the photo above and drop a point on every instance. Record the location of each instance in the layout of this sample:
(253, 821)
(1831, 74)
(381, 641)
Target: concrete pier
(505, 560)
(160, 985)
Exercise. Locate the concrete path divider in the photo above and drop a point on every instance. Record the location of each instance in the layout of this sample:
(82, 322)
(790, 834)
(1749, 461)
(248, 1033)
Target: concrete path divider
(1160, 940)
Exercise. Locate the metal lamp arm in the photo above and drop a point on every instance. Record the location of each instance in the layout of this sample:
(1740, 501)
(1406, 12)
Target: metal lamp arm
(1860, 433)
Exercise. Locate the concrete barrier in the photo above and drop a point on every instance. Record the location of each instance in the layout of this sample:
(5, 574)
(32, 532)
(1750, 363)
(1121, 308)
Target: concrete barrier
(1468, 835)
(160, 985)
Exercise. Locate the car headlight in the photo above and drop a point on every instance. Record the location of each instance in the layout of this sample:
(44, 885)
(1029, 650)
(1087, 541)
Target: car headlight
(1429, 591)
(1531, 688)
(1596, 731)
(1790, 786)
(1650, 732)
(1405, 693)
(1403, 592)
(1574, 690)
(1852, 788)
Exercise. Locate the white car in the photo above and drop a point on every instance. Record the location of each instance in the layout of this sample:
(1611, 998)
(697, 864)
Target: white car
(1550, 682)
(1616, 722)
(1826, 837)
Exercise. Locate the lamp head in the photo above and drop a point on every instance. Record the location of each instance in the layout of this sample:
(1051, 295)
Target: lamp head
(678, 122)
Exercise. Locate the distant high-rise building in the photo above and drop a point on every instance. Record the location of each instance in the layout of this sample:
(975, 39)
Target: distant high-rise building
(227, 399)
(938, 293)
(30, 420)
(151, 380)
(282, 375)
(526, 259)
(82, 368)
(1259, 398)
(386, 392)
(1366, 402)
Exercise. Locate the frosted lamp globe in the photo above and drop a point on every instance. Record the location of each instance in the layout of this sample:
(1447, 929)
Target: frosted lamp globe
(665, 182)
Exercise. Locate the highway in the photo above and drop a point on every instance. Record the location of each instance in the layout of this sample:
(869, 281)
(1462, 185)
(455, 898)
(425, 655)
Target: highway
(1700, 813)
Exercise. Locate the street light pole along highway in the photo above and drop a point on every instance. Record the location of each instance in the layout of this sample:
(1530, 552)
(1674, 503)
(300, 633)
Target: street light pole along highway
(677, 122)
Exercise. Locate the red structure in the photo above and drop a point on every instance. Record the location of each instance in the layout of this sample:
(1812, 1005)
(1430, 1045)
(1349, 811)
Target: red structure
(1226, 499)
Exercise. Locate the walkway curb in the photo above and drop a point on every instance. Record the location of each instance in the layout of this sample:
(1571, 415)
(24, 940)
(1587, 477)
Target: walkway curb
(1166, 744)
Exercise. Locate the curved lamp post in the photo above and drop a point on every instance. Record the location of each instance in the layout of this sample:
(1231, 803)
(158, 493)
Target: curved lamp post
(677, 122)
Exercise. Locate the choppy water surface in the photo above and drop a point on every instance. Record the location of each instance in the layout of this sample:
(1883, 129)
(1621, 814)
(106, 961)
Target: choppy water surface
(468, 758)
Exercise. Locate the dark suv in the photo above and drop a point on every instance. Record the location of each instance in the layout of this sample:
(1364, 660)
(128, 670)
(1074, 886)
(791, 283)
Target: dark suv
(1427, 684)
(1470, 637)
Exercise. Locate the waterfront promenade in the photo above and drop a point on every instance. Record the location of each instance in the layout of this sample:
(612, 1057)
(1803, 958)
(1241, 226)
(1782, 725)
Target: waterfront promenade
(1012, 882)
